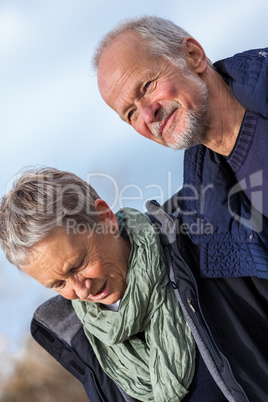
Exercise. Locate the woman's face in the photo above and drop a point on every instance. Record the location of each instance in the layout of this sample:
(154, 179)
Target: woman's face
(90, 267)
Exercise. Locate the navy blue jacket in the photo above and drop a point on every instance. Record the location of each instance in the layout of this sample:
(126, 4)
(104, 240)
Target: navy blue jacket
(247, 75)
(216, 213)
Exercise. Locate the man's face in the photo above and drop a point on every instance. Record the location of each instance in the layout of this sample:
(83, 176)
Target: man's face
(88, 267)
(152, 94)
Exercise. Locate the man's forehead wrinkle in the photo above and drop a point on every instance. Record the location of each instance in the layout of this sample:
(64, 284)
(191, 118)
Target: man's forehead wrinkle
(113, 87)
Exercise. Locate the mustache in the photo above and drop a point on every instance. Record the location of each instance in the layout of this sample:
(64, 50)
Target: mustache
(156, 127)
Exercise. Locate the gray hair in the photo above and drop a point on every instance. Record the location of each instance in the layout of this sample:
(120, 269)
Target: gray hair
(39, 202)
(164, 38)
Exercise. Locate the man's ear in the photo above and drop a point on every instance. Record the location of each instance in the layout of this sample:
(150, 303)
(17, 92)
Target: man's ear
(195, 55)
(105, 214)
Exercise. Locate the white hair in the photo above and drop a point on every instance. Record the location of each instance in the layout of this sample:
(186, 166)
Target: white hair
(164, 38)
(39, 202)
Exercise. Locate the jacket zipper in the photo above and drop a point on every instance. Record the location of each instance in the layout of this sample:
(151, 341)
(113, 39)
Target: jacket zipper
(208, 339)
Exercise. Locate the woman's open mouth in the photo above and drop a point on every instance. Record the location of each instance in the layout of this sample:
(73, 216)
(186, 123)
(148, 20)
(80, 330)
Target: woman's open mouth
(103, 292)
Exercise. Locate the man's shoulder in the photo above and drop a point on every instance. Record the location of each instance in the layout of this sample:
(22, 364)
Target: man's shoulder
(242, 63)
(247, 75)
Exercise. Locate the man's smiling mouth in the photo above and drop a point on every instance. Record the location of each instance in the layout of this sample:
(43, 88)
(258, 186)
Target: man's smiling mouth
(162, 127)
(165, 126)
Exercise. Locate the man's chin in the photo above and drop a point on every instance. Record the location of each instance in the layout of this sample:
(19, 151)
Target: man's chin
(176, 142)
(183, 141)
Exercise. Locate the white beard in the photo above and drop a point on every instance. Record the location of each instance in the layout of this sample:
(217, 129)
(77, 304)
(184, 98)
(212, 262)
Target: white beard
(196, 124)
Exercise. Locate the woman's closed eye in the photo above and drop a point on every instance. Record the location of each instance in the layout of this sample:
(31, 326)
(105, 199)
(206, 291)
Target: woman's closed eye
(59, 285)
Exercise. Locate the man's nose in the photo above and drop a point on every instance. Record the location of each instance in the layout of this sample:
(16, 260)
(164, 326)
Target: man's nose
(149, 111)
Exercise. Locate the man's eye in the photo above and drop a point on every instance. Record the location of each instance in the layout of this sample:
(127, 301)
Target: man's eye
(130, 114)
(146, 86)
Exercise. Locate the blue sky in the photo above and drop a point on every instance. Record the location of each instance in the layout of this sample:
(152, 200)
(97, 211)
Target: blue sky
(52, 114)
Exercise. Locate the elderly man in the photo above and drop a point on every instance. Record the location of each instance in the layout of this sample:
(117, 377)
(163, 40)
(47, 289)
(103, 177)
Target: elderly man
(159, 80)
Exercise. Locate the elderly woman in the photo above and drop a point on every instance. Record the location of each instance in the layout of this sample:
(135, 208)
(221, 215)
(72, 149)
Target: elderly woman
(55, 227)
(104, 263)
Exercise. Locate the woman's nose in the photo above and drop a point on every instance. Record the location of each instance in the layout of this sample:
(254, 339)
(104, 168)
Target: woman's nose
(82, 287)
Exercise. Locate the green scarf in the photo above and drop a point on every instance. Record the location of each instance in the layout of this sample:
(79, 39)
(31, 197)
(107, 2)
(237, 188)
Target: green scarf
(162, 368)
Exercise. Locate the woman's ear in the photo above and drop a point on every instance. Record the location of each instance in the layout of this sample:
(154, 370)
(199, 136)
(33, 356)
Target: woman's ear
(106, 215)
(195, 54)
